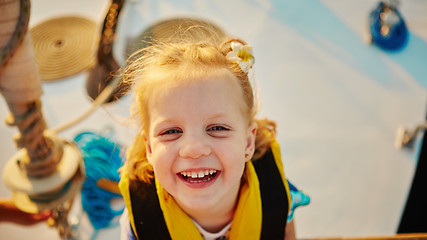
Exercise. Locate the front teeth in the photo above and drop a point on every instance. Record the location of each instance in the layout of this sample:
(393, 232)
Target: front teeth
(199, 174)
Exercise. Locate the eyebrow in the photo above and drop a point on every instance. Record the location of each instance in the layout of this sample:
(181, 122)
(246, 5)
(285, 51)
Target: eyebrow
(217, 115)
(163, 121)
(172, 120)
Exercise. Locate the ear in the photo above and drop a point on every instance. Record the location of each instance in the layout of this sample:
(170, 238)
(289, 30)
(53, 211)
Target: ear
(250, 140)
(148, 151)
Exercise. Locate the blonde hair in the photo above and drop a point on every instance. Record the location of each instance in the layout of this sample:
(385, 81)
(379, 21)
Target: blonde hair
(177, 62)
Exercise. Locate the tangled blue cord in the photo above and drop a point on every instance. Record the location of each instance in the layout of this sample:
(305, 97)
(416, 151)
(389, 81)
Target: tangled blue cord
(102, 160)
(398, 33)
(298, 198)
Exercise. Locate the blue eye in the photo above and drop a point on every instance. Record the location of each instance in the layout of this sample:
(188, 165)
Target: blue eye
(170, 131)
(218, 128)
(219, 131)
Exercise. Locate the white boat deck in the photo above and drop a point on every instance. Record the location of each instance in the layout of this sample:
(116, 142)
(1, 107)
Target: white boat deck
(338, 102)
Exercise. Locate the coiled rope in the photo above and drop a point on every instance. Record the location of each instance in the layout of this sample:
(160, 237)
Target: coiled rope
(102, 160)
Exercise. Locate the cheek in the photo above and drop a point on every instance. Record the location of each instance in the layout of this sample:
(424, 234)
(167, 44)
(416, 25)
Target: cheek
(160, 157)
(234, 172)
(234, 158)
(159, 166)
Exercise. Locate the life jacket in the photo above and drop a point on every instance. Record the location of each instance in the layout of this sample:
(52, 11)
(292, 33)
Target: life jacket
(261, 212)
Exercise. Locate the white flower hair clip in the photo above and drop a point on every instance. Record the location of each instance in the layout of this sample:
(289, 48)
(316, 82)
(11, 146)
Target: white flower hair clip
(242, 54)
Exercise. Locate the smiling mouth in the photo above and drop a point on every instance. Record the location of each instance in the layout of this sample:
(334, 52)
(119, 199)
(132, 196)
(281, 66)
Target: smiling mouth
(199, 176)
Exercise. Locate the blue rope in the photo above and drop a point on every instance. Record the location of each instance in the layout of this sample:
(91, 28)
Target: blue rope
(298, 198)
(398, 33)
(102, 160)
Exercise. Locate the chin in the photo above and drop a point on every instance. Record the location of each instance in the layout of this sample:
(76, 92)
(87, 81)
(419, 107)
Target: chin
(200, 204)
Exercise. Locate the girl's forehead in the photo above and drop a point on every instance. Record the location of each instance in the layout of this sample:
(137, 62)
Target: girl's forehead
(219, 88)
(171, 82)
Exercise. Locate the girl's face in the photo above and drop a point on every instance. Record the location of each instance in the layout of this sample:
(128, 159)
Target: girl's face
(197, 141)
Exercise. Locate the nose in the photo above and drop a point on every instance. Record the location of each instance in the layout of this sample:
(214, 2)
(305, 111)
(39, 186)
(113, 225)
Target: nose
(194, 147)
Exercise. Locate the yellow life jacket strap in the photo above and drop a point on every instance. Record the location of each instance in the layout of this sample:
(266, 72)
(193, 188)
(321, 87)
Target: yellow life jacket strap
(274, 193)
(275, 148)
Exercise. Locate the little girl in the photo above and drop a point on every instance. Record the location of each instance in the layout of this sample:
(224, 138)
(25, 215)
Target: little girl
(201, 166)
